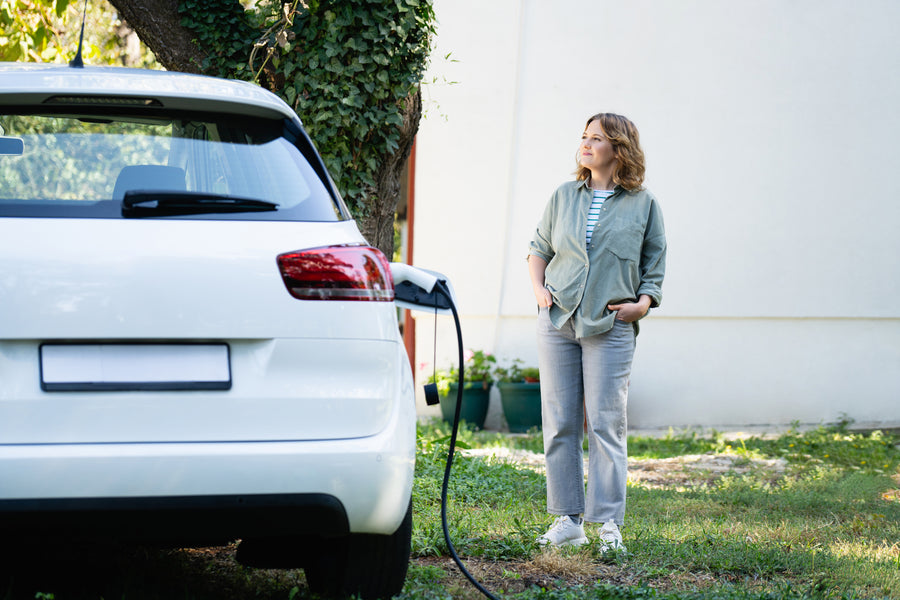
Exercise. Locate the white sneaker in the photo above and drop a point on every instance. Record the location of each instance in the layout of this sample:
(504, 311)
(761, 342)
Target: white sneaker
(564, 532)
(611, 537)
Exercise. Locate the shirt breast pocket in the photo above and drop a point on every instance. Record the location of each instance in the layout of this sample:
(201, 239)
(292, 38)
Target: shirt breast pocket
(625, 240)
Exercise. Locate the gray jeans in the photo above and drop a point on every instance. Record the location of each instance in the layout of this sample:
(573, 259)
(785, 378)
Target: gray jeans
(585, 378)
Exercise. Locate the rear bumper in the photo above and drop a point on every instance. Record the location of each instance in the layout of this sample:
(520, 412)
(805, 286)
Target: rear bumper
(369, 478)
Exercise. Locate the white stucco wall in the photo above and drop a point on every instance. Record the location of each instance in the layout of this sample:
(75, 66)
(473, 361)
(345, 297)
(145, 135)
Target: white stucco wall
(771, 132)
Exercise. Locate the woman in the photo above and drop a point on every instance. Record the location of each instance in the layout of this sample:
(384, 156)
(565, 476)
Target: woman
(596, 262)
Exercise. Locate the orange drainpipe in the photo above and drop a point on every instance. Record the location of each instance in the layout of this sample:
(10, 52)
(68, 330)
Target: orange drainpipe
(409, 324)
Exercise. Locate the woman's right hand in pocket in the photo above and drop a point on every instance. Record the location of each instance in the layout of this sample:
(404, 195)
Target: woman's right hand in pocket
(543, 297)
(536, 268)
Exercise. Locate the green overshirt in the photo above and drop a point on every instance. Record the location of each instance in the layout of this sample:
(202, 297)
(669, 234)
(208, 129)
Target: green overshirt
(626, 257)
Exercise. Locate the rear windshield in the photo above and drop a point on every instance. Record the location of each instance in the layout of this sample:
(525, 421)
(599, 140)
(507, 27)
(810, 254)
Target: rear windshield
(54, 165)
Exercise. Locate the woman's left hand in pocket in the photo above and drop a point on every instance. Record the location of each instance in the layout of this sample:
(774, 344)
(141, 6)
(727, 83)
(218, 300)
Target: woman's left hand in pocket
(631, 311)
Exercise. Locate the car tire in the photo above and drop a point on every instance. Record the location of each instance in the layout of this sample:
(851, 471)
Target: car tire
(367, 565)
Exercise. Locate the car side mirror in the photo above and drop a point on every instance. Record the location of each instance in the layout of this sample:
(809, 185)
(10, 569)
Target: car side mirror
(416, 289)
(11, 146)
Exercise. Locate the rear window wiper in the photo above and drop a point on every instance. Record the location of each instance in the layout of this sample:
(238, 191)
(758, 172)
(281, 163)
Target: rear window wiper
(137, 204)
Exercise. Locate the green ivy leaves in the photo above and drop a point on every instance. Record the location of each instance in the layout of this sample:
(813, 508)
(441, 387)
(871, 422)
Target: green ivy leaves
(360, 60)
(224, 31)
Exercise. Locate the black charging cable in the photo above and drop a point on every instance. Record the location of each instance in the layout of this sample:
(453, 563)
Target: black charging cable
(442, 287)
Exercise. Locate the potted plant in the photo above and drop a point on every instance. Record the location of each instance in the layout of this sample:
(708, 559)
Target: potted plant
(520, 396)
(479, 374)
(531, 375)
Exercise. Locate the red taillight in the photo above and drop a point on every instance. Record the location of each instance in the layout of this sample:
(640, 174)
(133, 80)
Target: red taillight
(337, 273)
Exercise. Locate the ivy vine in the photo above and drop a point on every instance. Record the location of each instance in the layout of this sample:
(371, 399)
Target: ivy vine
(345, 66)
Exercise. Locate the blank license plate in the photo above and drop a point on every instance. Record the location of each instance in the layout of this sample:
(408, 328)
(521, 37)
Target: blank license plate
(134, 367)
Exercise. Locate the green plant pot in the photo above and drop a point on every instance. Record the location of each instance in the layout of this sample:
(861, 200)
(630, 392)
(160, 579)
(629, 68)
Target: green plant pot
(476, 398)
(521, 405)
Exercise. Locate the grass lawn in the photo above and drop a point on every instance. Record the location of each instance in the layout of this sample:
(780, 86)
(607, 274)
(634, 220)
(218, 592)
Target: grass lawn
(812, 514)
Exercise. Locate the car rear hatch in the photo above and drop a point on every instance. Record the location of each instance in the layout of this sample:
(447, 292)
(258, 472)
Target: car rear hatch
(156, 330)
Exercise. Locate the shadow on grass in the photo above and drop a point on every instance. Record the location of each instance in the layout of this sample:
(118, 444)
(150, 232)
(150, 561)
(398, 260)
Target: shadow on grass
(67, 570)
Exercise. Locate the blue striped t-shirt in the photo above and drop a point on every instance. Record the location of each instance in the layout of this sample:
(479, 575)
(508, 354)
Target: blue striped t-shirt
(594, 213)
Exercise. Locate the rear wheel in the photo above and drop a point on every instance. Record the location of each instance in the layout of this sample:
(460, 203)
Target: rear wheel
(368, 565)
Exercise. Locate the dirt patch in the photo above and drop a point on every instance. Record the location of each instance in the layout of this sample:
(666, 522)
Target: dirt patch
(552, 569)
(693, 468)
(893, 495)
(656, 473)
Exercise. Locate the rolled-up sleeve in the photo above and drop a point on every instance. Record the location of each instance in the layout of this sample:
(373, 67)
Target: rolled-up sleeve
(541, 245)
(653, 256)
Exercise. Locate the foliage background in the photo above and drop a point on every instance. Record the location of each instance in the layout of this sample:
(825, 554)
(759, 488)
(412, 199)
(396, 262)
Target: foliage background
(48, 31)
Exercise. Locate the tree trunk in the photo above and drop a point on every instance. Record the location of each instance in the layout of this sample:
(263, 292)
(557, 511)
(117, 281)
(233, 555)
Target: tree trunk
(378, 225)
(158, 24)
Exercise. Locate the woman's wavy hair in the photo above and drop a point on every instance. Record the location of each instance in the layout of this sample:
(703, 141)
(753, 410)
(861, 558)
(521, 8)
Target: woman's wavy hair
(626, 142)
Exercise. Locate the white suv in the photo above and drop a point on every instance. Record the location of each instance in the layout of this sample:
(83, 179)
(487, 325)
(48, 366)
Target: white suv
(196, 343)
